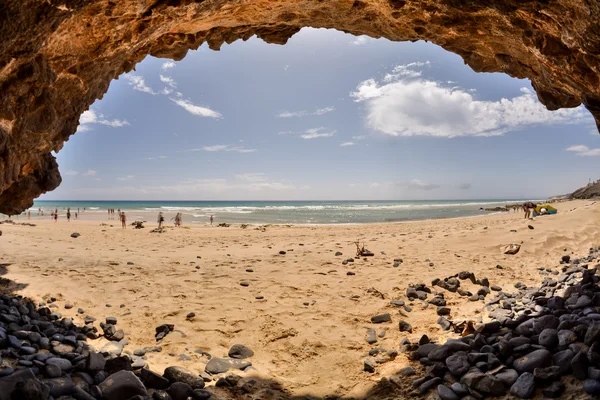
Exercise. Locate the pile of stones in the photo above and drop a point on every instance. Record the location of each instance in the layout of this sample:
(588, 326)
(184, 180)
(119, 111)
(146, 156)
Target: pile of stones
(537, 336)
(45, 357)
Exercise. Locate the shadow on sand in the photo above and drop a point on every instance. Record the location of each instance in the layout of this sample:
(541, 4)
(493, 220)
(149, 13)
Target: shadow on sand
(7, 286)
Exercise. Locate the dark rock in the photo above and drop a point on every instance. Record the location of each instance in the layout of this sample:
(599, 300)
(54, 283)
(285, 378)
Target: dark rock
(458, 364)
(95, 362)
(371, 336)
(122, 363)
(579, 366)
(368, 366)
(407, 371)
(430, 384)
(563, 360)
(555, 390)
(122, 385)
(592, 387)
(201, 394)
(547, 374)
(536, 359)
(444, 323)
(443, 311)
(524, 386)
(179, 374)
(240, 351)
(153, 380)
(548, 338)
(484, 383)
(62, 363)
(446, 393)
(30, 389)
(507, 377)
(219, 365)
(180, 391)
(378, 319)
(61, 386)
(52, 371)
(405, 326)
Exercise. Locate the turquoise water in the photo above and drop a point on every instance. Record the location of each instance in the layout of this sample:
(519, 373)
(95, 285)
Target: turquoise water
(283, 212)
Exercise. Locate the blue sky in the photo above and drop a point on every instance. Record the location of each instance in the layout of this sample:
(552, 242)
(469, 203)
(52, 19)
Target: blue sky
(327, 116)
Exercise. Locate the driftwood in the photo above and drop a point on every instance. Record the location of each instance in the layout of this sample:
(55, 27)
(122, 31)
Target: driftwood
(361, 251)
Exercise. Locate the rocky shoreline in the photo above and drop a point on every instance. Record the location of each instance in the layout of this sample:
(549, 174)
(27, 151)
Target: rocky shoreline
(537, 336)
(45, 356)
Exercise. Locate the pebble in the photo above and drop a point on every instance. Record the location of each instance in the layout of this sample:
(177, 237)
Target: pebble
(446, 393)
(524, 386)
(245, 284)
(405, 327)
(381, 318)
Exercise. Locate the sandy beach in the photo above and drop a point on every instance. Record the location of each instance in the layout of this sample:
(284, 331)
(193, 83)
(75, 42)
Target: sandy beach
(308, 329)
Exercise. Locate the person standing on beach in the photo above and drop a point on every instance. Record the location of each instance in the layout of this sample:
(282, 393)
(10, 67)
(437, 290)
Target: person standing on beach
(527, 207)
(161, 219)
(55, 215)
(211, 220)
(69, 214)
(123, 220)
(28, 214)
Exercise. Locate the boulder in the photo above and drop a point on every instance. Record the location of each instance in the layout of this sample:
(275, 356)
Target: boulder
(122, 385)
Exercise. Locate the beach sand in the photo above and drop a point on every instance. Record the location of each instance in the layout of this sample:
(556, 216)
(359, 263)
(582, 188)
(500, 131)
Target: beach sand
(315, 349)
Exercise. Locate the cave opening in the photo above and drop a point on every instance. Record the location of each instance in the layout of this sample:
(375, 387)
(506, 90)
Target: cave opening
(328, 116)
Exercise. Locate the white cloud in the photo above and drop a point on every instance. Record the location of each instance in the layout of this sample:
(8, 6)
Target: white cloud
(196, 110)
(162, 157)
(167, 65)
(138, 83)
(224, 147)
(125, 178)
(407, 105)
(254, 177)
(315, 133)
(406, 71)
(169, 81)
(346, 144)
(89, 172)
(360, 40)
(419, 185)
(69, 172)
(359, 137)
(249, 183)
(303, 113)
(285, 132)
(584, 151)
(90, 117)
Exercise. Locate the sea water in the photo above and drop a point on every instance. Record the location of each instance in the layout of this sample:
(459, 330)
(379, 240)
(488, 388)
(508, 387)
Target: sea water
(285, 212)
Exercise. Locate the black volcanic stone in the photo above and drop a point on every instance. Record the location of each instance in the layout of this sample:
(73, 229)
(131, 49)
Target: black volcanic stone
(533, 360)
(524, 386)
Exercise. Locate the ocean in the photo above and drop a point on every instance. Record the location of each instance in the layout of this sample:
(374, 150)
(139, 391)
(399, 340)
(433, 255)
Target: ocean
(281, 212)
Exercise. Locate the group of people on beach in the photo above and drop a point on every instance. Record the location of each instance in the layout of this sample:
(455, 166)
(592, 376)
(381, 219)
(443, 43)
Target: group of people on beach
(54, 215)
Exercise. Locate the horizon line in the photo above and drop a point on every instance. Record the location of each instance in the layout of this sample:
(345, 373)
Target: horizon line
(336, 200)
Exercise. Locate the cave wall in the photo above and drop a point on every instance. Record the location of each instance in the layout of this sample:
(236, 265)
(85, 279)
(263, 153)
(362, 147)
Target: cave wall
(58, 56)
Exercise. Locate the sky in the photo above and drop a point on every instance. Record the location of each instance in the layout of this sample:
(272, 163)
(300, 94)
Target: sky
(328, 116)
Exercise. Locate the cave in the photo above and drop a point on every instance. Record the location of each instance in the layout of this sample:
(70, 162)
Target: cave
(57, 57)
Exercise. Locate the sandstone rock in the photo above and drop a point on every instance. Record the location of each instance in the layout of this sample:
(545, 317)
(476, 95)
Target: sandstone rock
(511, 248)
